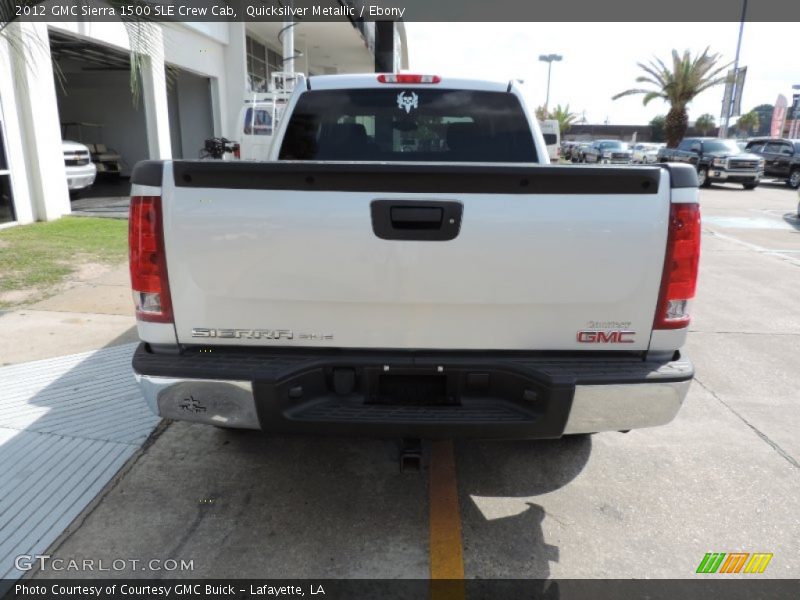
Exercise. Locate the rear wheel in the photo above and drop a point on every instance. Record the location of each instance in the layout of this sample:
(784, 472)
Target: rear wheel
(794, 179)
(702, 177)
(750, 186)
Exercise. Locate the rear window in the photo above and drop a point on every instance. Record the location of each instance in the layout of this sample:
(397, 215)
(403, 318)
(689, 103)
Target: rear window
(394, 124)
(550, 139)
(258, 121)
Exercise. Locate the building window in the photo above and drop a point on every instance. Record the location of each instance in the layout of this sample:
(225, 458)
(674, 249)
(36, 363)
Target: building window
(6, 196)
(261, 63)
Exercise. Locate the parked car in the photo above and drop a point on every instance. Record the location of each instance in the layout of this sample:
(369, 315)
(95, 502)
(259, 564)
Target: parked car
(577, 153)
(781, 158)
(566, 149)
(81, 171)
(717, 161)
(608, 152)
(426, 315)
(644, 153)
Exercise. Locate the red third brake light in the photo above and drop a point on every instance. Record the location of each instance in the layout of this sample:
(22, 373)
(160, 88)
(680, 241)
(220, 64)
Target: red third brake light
(148, 261)
(407, 78)
(679, 278)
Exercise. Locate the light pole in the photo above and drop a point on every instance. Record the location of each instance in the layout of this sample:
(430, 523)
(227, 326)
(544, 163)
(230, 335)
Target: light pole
(723, 130)
(549, 58)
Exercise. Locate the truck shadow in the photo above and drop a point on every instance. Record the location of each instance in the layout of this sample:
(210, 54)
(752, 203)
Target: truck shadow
(502, 524)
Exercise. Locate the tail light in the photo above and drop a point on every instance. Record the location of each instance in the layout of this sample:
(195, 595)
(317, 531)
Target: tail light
(407, 78)
(148, 262)
(237, 152)
(679, 278)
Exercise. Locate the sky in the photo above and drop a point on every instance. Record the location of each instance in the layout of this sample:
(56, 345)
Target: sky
(599, 60)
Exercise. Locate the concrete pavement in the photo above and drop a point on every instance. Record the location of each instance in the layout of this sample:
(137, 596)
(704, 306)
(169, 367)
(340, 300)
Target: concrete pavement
(94, 310)
(723, 477)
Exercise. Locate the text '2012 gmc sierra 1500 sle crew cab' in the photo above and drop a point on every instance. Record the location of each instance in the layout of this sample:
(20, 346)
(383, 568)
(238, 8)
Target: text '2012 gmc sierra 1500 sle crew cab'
(409, 264)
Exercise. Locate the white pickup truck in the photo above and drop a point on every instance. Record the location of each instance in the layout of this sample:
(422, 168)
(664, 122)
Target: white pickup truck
(408, 264)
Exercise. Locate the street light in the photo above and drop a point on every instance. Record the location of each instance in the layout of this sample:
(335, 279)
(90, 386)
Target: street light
(549, 58)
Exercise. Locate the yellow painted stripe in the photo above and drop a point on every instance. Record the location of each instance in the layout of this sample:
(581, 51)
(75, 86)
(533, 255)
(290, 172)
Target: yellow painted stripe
(446, 551)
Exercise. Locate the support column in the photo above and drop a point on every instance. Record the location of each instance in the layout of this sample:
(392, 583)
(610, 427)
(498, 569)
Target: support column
(237, 85)
(154, 95)
(384, 47)
(37, 109)
(15, 148)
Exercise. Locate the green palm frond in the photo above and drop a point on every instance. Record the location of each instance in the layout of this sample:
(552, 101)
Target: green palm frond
(682, 81)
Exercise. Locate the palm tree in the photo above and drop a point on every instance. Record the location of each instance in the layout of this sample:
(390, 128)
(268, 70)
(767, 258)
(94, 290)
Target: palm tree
(705, 123)
(748, 122)
(657, 128)
(678, 86)
(564, 117)
(541, 113)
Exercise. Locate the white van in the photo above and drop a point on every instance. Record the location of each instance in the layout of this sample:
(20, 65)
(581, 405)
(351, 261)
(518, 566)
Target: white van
(258, 121)
(552, 137)
(261, 114)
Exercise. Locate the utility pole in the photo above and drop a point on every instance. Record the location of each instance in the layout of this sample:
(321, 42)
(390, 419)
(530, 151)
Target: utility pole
(549, 58)
(723, 130)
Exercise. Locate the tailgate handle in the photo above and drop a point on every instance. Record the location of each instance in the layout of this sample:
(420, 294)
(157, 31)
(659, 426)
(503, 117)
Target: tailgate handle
(422, 220)
(416, 217)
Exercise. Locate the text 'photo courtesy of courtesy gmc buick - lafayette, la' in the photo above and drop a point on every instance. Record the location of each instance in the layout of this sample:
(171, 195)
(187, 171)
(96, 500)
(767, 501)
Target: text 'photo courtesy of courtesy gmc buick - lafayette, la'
(408, 264)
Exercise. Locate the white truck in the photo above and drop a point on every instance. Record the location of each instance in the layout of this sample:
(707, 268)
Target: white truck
(454, 286)
(551, 132)
(81, 171)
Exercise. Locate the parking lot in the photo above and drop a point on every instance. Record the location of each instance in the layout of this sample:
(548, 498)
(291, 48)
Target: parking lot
(723, 477)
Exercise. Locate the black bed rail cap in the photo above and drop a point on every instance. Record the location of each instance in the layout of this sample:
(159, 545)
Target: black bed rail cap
(148, 172)
(681, 175)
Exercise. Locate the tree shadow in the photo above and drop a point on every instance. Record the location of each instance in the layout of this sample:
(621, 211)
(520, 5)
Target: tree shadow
(793, 219)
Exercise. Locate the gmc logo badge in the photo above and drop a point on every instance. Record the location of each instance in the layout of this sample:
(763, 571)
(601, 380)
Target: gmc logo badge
(606, 337)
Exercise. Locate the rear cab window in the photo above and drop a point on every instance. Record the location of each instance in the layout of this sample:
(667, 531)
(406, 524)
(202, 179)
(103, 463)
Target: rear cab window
(408, 125)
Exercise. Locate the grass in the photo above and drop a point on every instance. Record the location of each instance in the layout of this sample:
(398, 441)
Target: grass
(37, 258)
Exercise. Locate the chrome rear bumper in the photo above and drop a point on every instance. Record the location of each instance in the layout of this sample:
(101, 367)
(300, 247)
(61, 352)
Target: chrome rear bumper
(546, 399)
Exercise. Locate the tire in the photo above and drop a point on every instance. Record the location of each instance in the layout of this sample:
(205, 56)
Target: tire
(749, 186)
(702, 177)
(794, 179)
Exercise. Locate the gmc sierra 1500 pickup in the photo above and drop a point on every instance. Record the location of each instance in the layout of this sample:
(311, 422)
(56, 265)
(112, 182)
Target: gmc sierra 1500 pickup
(408, 264)
(717, 161)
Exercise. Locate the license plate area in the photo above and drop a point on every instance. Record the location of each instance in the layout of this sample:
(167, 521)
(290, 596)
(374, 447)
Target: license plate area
(410, 387)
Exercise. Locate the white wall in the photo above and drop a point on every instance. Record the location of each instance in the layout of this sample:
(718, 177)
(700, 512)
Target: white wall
(14, 138)
(190, 115)
(194, 109)
(37, 113)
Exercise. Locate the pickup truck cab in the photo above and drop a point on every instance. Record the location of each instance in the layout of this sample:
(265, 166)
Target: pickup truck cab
(781, 158)
(407, 264)
(717, 161)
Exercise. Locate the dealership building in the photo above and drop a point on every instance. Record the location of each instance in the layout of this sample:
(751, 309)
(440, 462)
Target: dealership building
(71, 81)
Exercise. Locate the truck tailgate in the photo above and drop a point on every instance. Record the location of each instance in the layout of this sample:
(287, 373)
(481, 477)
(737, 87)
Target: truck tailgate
(293, 254)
